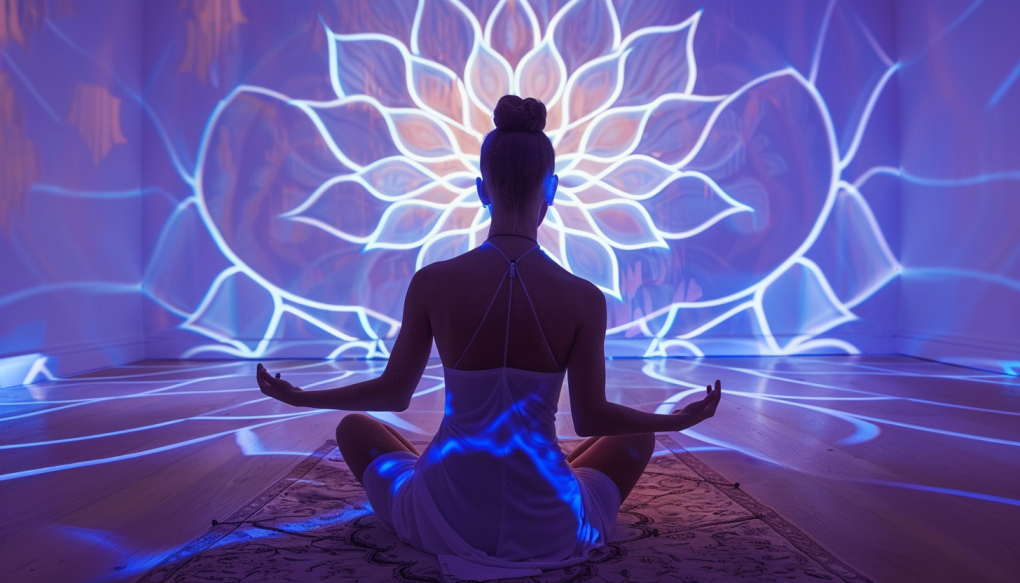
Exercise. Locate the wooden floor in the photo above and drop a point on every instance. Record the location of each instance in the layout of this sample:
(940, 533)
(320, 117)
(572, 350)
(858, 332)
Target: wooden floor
(907, 469)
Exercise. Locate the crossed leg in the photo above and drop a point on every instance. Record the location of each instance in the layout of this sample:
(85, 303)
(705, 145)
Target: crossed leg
(361, 439)
(620, 457)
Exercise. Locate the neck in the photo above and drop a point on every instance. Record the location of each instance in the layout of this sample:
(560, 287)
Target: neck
(513, 225)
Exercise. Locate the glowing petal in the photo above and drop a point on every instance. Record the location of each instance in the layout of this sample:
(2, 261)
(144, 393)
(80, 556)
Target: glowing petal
(184, 251)
(594, 87)
(689, 204)
(586, 30)
(238, 308)
(625, 225)
(660, 63)
(799, 302)
(405, 225)
(443, 32)
(422, 136)
(589, 257)
(638, 177)
(438, 90)
(852, 251)
(344, 208)
(488, 76)
(541, 74)
(850, 82)
(357, 133)
(372, 65)
(777, 159)
(264, 158)
(512, 30)
(673, 127)
(612, 134)
(396, 177)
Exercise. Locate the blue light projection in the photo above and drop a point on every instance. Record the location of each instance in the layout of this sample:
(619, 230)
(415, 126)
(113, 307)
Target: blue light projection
(515, 431)
(267, 181)
(646, 163)
(214, 401)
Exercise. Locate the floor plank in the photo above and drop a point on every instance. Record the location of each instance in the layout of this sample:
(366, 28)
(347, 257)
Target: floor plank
(907, 469)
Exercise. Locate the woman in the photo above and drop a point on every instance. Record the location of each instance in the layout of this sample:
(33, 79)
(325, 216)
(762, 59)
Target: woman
(493, 496)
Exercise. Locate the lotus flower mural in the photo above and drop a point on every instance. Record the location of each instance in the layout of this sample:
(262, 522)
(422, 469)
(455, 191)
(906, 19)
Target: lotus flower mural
(699, 215)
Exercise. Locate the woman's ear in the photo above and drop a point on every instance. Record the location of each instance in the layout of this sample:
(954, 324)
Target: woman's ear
(551, 184)
(483, 194)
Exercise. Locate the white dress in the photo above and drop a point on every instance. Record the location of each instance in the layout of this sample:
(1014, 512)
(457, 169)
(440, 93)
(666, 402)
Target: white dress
(493, 496)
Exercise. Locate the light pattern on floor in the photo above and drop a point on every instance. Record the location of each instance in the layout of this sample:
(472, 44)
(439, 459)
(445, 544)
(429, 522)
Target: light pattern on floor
(206, 401)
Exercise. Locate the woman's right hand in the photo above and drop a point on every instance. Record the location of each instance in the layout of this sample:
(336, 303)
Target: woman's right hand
(276, 387)
(698, 411)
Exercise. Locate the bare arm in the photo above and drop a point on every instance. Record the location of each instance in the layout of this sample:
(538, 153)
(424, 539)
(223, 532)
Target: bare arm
(586, 378)
(389, 392)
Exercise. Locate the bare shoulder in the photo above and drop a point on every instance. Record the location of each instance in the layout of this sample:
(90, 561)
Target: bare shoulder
(583, 295)
(427, 283)
(585, 290)
(439, 271)
(439, 277)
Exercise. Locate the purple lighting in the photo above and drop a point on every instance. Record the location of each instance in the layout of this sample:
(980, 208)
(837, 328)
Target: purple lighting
(266, 180)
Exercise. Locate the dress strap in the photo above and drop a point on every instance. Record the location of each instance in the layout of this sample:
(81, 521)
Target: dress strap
(548, 349)
(484, 317)
(513, 273)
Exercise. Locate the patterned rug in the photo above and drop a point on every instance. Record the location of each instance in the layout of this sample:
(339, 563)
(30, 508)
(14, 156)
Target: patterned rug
(682, 523)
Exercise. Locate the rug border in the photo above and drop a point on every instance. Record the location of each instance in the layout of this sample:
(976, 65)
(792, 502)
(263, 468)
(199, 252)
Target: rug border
(232, 522)
(786, 529)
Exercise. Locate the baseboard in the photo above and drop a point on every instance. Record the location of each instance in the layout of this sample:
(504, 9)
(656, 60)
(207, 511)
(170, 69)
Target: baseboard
(66, 361)
(998, 355)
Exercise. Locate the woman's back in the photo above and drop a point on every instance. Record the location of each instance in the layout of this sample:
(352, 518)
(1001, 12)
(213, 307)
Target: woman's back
(494, 486)
(493, 495)
(548, 305)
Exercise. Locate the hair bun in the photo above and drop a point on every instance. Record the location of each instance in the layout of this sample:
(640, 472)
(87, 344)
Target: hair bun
(514, 114)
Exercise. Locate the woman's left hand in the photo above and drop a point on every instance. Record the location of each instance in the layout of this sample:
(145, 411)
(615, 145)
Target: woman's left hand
(276, 387)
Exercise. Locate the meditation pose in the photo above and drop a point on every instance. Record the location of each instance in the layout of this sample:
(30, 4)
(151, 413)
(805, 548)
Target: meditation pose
(493, 495)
